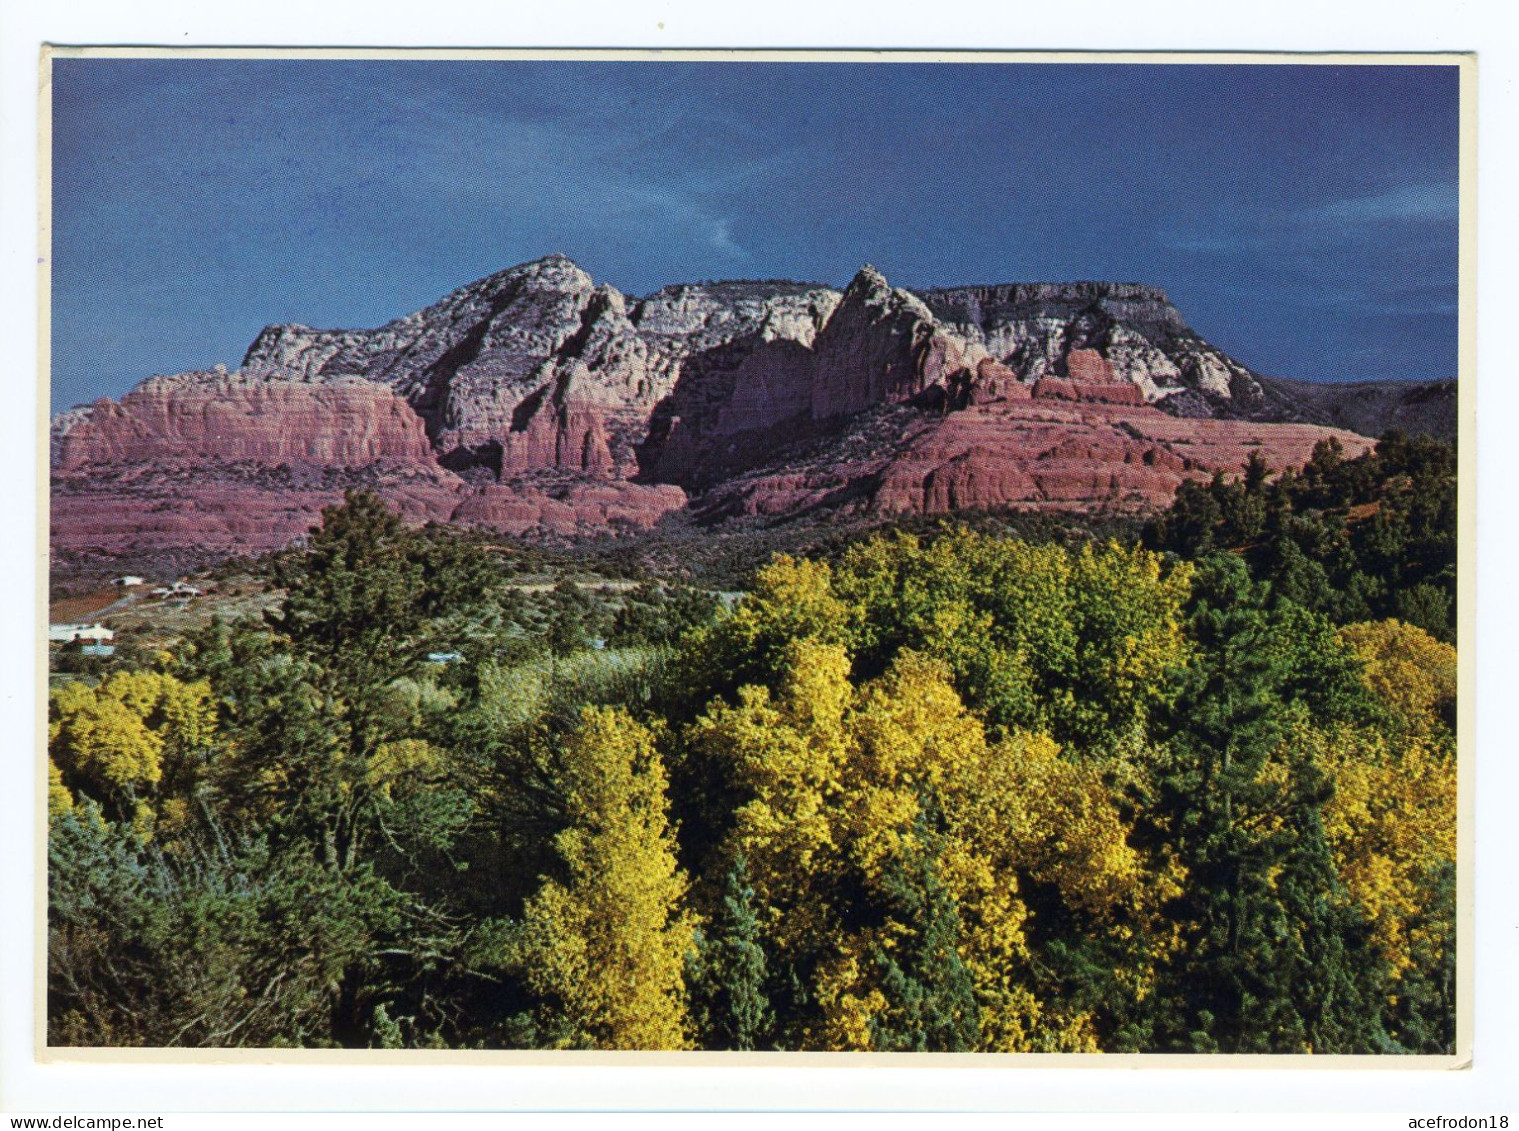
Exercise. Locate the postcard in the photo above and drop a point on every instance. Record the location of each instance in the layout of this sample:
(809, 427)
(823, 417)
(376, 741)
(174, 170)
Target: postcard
(757, 557)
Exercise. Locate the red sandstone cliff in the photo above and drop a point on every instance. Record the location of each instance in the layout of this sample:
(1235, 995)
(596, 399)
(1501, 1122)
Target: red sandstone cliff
(211, 417)
(1037, 454)
(538, 402)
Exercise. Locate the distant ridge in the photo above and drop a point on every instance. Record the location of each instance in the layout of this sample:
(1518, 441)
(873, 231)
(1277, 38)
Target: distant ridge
(1419, 408)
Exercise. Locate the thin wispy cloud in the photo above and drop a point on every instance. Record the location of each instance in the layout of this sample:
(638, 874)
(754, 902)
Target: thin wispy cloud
(1418, 202)
(722, 239)
(1335, 222)
(585, 176)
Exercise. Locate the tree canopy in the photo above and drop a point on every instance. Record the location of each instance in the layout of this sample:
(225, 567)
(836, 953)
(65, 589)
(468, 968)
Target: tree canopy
(943, 791)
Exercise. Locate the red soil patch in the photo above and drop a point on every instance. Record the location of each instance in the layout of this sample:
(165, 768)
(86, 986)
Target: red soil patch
(71, 609)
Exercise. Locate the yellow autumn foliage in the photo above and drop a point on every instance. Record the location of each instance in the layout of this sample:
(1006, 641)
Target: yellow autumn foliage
(59, 800)
(411, 760)
(609, 942)
(1391, 824)
(1037, 636)
(836, 784)
(787, 757)
(1130, 607)
(1407, 669)
(115, 739)
(1392, 819)
(791, 599)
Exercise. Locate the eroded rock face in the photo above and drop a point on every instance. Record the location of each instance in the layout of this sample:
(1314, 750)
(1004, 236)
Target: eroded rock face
(1112, 343)
(744, 359)
(216, 418)
(1089, 378)
(689, 319)
(539, 367)
(1081, 456)
(236, 464)
(537, 402)
(1039, 454)
(1034, 327)
(880, 347)
(242, 464)
(510, 370)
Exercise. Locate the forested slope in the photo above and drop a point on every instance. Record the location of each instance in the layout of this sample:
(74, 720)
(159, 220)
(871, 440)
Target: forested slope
(942, 791)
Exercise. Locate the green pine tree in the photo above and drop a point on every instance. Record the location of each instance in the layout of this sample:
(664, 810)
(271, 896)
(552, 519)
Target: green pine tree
(730, 1006)
(1274, 957)
(932, 1002)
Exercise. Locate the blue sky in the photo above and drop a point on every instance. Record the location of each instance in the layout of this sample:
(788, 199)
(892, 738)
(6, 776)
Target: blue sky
(1303, 218)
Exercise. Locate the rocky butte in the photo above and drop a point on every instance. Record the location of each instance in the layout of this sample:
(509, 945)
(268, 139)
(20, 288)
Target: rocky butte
(538, 402)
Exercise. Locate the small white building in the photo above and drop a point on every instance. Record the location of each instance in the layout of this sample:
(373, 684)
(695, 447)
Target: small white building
(128, 581)
(178, 589)
(68, 633)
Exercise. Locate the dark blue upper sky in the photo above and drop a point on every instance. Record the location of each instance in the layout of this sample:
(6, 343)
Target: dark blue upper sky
(1304, 218)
